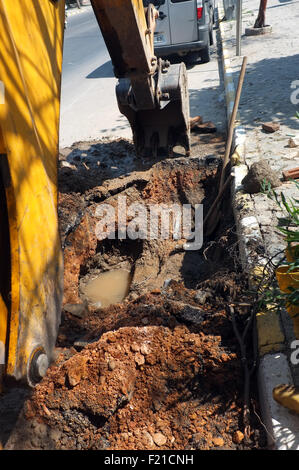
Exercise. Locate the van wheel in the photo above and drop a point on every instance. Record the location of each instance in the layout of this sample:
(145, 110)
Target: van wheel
(205, 54)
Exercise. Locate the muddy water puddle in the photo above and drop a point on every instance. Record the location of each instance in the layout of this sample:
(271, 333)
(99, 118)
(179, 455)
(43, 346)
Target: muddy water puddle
(108, 288)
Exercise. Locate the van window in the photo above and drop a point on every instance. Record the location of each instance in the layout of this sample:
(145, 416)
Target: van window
(156, 3)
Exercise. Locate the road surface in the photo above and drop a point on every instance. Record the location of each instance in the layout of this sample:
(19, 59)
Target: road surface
(88, 106)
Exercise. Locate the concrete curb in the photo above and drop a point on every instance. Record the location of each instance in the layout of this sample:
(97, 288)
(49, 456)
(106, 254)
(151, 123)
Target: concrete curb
(281, 426)
(244, 211)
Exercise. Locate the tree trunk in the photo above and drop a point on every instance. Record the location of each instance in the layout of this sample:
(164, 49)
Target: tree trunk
(260, 21)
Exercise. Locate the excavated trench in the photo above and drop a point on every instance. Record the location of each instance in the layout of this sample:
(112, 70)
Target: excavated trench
(146, 356)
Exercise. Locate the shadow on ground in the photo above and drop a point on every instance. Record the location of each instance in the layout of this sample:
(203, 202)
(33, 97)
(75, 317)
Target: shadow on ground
(267, 99)
(104, 71)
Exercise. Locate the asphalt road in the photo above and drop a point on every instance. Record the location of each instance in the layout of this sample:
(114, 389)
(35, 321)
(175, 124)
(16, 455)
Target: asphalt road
(88, 105)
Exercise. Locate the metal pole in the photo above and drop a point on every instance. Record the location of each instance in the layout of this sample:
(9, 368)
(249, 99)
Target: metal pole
(239, 26)
(232, 122)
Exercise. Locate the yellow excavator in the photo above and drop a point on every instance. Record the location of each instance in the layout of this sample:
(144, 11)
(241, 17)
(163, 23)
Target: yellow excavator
(151, 93)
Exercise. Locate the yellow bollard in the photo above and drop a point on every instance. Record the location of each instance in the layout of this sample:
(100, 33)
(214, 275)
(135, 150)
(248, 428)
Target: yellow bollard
(286, 280)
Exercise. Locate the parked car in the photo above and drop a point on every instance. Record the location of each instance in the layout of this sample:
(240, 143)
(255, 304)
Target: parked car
(184, 26)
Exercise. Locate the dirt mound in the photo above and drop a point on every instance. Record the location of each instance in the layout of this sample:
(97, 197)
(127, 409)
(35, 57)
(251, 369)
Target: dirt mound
(97, 399)
(165, 374)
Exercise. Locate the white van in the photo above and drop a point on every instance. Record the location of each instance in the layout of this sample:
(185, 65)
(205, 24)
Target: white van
(184, 26)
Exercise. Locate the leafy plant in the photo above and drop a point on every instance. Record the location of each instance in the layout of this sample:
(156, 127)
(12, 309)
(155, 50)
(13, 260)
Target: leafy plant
(288, 225)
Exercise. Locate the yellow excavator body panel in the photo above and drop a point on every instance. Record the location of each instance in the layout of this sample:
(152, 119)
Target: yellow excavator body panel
(31, 266)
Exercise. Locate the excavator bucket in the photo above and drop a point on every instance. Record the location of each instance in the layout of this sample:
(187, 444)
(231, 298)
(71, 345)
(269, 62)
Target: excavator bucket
(31, 267)
(157, 131)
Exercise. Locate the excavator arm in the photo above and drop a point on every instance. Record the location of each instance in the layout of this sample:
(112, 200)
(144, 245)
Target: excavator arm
(150, 92)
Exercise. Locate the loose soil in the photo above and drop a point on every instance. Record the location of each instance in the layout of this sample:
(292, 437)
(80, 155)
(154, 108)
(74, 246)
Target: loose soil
(160, 370)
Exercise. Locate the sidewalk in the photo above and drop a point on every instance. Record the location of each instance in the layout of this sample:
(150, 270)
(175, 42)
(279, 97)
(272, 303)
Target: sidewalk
(272, 68)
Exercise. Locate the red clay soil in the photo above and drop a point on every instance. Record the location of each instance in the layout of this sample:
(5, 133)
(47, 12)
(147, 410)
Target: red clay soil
(144, 387)
(162, 369)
